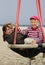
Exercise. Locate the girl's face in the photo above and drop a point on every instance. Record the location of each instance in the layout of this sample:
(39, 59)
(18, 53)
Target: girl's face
(34, 23)
(8, 30)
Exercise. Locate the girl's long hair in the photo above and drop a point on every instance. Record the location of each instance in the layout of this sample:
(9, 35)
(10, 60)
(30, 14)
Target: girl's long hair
(4, 30)
(4, 36)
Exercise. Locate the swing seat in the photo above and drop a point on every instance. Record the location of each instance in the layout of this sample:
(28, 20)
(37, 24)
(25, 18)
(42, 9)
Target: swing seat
(27, 50)
(24, 46)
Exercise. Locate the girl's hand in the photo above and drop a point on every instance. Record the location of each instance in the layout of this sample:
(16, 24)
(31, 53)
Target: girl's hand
(19, 29)
(34, 42)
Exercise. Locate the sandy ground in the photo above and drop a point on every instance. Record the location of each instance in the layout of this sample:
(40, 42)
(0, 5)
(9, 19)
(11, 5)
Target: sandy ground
(8, 57)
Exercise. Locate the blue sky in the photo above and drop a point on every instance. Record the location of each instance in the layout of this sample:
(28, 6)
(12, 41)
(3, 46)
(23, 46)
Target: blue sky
(28, 9)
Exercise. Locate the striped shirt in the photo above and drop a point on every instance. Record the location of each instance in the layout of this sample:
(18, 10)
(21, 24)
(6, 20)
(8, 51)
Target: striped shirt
(33, 33)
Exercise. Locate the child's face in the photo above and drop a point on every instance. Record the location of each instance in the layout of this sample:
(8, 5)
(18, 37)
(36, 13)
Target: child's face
(8, 30)
(34, 23)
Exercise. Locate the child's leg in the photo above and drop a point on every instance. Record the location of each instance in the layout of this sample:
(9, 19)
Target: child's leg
(40, 44)
(29, 41)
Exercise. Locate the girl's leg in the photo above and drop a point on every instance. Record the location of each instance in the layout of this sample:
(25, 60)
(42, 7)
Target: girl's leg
(29, 41)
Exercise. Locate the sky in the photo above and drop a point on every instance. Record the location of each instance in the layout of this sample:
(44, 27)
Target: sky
(28, 9)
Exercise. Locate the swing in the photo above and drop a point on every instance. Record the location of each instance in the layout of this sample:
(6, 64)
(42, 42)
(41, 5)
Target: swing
(31, 48)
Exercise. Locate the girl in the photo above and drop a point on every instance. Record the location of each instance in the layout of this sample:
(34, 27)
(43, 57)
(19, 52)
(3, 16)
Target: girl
(8, 35)
(34, 32)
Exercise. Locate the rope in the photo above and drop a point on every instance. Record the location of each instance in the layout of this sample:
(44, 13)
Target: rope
(40, 16)
(17, 19)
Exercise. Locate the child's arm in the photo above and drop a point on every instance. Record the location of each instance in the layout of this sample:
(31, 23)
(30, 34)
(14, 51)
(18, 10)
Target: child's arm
(40, 36)
(24, 31)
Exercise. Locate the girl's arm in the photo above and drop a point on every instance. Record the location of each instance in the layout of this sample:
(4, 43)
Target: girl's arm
(40, 36)
(24, 31)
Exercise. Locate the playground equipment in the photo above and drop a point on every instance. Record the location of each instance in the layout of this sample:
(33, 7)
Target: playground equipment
(26, 46)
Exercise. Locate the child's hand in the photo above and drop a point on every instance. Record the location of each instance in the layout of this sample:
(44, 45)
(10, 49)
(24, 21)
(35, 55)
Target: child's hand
(19, 29)
(34, 42)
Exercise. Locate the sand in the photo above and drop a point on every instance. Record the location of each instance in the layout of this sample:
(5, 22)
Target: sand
(9, 57)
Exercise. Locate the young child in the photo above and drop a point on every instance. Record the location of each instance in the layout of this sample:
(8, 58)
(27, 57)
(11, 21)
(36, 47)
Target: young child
(33, 32)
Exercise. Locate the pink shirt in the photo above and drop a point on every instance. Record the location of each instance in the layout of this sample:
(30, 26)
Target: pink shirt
(34, 33)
